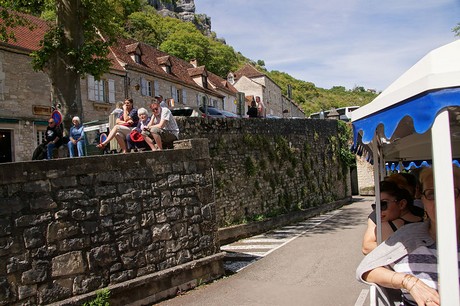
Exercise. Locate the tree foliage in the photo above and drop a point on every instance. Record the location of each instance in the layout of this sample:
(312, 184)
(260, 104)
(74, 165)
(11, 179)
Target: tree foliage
(456, 30)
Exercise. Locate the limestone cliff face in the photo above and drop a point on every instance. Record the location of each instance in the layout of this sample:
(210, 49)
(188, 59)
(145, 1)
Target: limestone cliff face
(184, 10)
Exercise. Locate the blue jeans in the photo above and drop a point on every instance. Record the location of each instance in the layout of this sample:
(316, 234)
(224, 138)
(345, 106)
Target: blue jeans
(50, 146)
(80, 148)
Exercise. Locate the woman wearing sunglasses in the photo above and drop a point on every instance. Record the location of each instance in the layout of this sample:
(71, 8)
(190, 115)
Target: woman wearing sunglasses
(408, 259)
(397, 209)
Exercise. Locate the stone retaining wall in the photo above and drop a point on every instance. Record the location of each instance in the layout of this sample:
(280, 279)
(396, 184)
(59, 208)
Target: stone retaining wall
(71, 226)
(267, 167)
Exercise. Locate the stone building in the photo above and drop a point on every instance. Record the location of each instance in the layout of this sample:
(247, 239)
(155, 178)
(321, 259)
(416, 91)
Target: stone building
(138, 71)
(257, 84)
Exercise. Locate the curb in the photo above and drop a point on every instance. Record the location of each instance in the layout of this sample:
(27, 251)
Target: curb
(234, 233)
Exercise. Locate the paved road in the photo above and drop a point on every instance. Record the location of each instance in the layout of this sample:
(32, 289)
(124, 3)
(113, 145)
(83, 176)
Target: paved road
(313, 263)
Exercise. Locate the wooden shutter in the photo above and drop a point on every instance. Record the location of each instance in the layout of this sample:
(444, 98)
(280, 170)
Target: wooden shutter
(91, 95)
(111, 90)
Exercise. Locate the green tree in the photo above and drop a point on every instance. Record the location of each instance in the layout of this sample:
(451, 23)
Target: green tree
(221, 59)
(187, 45)
(72, 47)
(456, 29)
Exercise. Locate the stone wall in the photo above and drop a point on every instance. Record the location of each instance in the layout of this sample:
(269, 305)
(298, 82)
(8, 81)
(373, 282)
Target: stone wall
(365, 177)
(266, 167)
(71, 226)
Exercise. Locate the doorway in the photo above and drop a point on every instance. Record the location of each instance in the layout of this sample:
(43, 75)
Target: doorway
(6, 152)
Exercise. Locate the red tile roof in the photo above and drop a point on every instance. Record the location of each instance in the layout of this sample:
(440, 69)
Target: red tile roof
(248, 71)
(151, 60)
(27, 39)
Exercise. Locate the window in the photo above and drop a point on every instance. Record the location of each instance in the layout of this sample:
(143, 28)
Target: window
(146, 87)
(40, 137)
(156, 86)
(184, 96)
(102, 90)
(2, 90)
(137, 58)
(204, 79)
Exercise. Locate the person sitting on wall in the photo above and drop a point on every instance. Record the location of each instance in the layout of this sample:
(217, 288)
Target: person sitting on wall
(162, 128)
(53, 137)
(76, 138)
(124, 124)
(135, 139)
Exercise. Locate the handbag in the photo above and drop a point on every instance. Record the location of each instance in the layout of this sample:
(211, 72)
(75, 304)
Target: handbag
(136, 136)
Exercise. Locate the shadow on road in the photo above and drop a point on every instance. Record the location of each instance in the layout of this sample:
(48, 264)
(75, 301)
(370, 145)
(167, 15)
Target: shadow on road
(346, 219)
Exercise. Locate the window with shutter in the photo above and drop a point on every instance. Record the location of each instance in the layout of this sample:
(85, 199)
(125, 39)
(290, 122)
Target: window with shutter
(156, 85)
(143, 87)
(111, 91)
(91, 94)
(184, 96)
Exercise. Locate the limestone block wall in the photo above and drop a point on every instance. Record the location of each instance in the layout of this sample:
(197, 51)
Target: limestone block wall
(365, 176)
(71, 226)
(268, 167)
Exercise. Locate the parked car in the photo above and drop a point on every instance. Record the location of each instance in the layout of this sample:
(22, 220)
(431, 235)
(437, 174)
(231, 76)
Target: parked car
(197, 111)
(272, 117)
(229, 114)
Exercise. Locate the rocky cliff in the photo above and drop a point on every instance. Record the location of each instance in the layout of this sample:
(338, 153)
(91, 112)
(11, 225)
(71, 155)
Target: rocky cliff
(184, 10)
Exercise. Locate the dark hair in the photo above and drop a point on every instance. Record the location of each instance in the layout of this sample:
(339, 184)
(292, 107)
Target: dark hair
(410, 178)
(395, 191)
(401, 193)
(130, 100)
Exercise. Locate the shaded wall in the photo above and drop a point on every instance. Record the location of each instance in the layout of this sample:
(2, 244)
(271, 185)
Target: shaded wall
(266, 167)
(71, 226)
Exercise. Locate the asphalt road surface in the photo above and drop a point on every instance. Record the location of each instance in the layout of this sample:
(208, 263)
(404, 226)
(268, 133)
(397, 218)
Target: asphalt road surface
(309, 263)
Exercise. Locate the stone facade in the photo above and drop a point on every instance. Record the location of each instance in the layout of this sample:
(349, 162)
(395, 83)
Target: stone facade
(365, 177)
(256, 84)
(25, 100)
(71, 226)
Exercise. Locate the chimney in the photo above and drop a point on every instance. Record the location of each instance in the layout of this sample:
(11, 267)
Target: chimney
(194, 62)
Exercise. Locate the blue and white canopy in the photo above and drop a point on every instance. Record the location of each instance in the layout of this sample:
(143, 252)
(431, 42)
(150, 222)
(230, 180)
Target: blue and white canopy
(418, 118)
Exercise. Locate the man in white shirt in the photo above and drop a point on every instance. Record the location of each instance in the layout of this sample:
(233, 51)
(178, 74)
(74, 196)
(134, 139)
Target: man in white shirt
(160, 99)
(162, 129)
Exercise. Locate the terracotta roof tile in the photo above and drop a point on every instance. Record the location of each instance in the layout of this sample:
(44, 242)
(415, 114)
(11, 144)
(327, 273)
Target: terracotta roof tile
(248, 71)
(29, 40)
(163, 60)
(197, 71)
(151, 58)
(132, 47)
(26, 38)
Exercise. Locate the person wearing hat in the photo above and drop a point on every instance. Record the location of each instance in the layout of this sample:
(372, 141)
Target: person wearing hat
(135, 140)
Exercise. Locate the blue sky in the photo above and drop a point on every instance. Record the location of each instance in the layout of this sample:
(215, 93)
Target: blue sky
(349, 43)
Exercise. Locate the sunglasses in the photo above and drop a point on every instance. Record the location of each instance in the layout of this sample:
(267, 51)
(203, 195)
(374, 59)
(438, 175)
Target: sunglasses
(384, 204)
(430, 196)
(154, 108)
